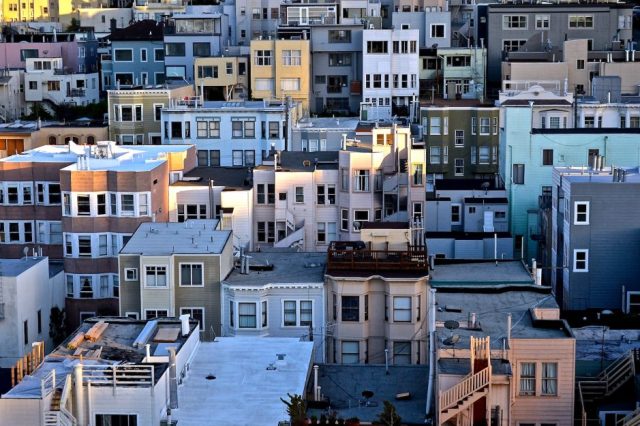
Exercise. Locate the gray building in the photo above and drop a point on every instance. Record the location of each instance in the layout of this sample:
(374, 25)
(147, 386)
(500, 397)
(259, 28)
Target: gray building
(256, 18)
(595, 246)
(517, 28)
(336, 68)
(172, 269)
(202, 32)
(321, 134)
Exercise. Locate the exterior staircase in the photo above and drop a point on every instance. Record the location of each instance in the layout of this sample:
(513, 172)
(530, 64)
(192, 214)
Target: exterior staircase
(476, 385)
(295, 231)
(632, 419)
(606, 384)
(58, 414)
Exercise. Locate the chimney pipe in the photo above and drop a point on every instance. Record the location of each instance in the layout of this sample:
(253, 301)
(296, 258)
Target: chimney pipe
(344, 141)
(184, 319)
(78, 390)
(173, 381)
(472, 320)
(509, 329)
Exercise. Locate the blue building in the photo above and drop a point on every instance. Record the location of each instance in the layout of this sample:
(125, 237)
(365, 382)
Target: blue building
(137, 56)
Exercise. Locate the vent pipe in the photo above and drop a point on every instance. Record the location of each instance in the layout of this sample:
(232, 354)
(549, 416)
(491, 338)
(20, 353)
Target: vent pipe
(184, 320)
(173, 381)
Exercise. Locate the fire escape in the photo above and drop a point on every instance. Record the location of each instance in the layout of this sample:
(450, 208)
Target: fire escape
(455, 403)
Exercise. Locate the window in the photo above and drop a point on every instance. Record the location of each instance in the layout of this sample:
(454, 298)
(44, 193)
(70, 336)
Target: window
(361, 180)
(350, 308)
(402, 353)
(547, 157)
(455, 214)
(512, 45)
(416, 171)
(84, 205)
(589, 122)
(485, 126)
(191, 211)
(437, 30)
(292, 84)
(459, 138)
(155, 313)
(344, 220)
(527, 378)
(339, 59)
(247, 315)
(25, 328)
(542, 22)
(359, 216)
(174, 49)
(130, 274)
(291, 57)
(581, 215)
(517, 174)
(350, 352)
(339, 36)
(262, 57)
(84, 246)
(290, 313)
(549, 378)
(196, 314)
(459, 167)
(402, 309)
(580, 64)
(158, 55)
(123, 55)
(326, 194)
(156, 276)
(321, 233)
(143, 55)
(28, 53)
(580, 21)
(201, 49)
(127, 205)
(231, 314)
(306, 313)
(434, 154)
(377, 47)
(191, 274)
(266, 232)
(434, 126)
(581, 261)
(299, 194)
(86, 287)
(510, 22)
(264, 313)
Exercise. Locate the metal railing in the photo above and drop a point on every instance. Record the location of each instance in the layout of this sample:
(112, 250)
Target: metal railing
(119, 375)
(414, 259)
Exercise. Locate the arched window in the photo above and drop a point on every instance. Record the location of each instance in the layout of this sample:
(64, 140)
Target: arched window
(91, 140)
(70, 139)
(53, 140)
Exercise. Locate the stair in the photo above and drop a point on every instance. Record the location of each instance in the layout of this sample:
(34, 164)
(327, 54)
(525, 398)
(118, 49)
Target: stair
(632, 419)
(55, 399)
(461, 396)
(294, 239)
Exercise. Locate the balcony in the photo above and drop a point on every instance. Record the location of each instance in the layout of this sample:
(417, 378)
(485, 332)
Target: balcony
(76, 93)
(342, 258)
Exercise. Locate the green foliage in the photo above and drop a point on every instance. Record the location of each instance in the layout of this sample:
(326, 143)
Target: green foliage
(296, 408)
(389, 416)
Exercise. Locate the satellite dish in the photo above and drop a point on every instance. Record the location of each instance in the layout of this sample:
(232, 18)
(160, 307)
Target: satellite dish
(451, 341)
(451, 325)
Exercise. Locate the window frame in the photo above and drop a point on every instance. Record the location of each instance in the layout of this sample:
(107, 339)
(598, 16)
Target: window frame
(576, 260)
(181, 265)
(576, 213)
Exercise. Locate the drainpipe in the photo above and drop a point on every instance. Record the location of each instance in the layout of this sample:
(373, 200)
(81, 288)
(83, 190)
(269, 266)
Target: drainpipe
(432, 348)
(173, 382)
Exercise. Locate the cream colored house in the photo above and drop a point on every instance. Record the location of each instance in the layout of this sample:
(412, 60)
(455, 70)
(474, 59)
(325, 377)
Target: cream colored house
(281, 68)
(222, 78)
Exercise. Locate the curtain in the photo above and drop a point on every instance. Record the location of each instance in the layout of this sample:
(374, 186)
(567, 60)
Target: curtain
(549, 378)
(528, 378)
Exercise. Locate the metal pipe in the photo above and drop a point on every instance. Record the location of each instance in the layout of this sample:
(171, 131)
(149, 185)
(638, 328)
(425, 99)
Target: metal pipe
(432, 348)
(386, 360)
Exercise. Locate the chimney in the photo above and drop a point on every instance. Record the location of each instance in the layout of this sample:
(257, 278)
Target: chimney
(344, 141)
(472, 320)
(184, 320)
(173, 381)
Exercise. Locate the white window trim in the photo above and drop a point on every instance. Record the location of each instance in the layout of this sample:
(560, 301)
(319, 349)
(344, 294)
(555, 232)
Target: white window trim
(507, 28)
(123, 48)
(575, 260)
(135, 271)
(201, 327)
(459, 213)
(298, 312)
(154, 56)
(136, 315)
(627, 303)
(156, 287)
(154, 117)
(180, 274)
(146, 54)
(575, 212)
(436, 24)
(236, 315)
(156, 309)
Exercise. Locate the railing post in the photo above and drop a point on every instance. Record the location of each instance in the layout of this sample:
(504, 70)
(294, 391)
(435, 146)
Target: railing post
(113, 374)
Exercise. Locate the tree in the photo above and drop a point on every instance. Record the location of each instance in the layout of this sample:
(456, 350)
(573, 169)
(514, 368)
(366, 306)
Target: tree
(57, 330)
(297, 409)
(389, 416)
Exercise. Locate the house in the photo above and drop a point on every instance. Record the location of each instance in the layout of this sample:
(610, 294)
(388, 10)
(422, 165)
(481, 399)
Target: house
(135, 113)
(377, 299)
(453, 73)
(256, 19)
(157, 10)
(322, 133)
(281, 69)
(31, 287)
(172, 269)
(104, 19)
(390, 72)
(588, 270)
(136, 58)
(278, 294)
(12, 103)
(223, 78)
(517, 351)
(462, 140)
(109, 371)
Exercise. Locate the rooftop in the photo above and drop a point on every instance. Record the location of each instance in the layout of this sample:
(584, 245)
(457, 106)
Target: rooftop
(302, 161)
(491, 309)
(327, 123)
(229, 177)
(220, 106)
(353, 259)
(343, 386)
(16, 267)
(244, 391)
(426, 104)
(195, 236)
(480, 274)
(287, 268)
(464, 184)
(606, 175)
(139, 31)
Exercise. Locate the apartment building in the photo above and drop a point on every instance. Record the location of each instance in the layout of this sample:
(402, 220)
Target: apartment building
(461, 138)
(135, 114)
(453, 73)
(322, 133)
(231, 133)
(590, 271)
(80, 132)
(256, 19)
(31, 286)
(337, 68)
(393, 86)
(12, 103)
(433, 22)
(518, 28)
(48, 80)
(281, 69)
(202, 31)
(172, 269)
(157, 10)
(90, 379)
(517, 352)
(278, 294)
(222, 79)
(468, 219)
(608, 107)
(376, 299)
(104, 19)
(136, 57)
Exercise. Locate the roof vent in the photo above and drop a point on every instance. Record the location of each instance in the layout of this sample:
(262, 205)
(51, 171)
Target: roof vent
(306, 163)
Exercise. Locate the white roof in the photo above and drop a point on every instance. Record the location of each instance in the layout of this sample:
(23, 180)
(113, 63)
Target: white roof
(244, 392)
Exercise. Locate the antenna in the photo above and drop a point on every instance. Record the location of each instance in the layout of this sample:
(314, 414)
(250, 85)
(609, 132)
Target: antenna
(453, 338)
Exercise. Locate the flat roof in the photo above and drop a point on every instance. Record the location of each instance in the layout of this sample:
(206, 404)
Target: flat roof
(491, 309)
(15, 267)
(587, 175)
(244, 391)
(480, 274)
(465, 184)
(195, 236)
(220, 106)
(303, 161)
(344, 384)
(327, 123)
(288, 268)
(229, 177)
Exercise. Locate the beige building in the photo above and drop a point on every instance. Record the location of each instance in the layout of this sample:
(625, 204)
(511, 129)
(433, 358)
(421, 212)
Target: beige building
(173, 269)
(135, 114)
(503, 356)
(222, 78)
(281, 68)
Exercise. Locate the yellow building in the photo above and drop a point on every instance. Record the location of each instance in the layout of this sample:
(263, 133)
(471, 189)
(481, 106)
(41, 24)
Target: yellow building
(27, 10)
(222, 78)
(281, 68)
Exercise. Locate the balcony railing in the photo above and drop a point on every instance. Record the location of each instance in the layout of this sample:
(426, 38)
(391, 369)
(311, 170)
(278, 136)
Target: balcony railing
(76, 93)
(119, 375)
(412, 260)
